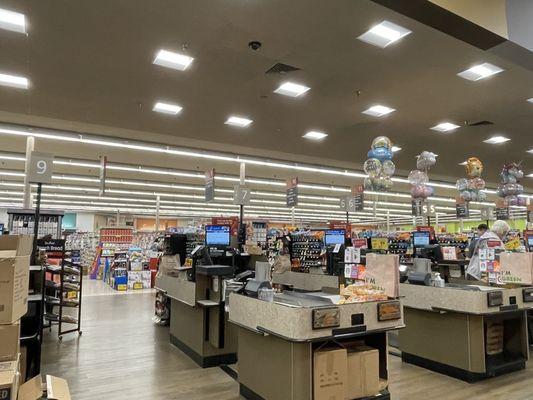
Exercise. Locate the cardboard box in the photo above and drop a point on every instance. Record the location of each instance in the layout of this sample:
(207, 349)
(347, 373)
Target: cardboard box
(9, 380)
(329, 373)
(363, 372)
(14, 283)
(9, 342)
(15, 245)
(56, 389)
(139, 280)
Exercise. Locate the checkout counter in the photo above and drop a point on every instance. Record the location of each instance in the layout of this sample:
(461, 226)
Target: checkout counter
(277, 340)
(468, 330)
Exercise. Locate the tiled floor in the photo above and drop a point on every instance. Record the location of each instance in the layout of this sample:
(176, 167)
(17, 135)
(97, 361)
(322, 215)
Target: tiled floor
(123, 355)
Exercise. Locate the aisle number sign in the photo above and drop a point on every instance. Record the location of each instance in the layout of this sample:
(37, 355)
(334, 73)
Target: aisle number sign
(209, 185)
(241, 195)
(41, 166)
(292, 192)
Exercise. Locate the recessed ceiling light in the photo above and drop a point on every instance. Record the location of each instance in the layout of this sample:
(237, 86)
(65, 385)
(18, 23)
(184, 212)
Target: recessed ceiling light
(291, 89)
(530, 151)
(238, 121)
(383, 34)
(315, 135)
(463, 163)
(530, 100)
(395, 149)
(167, 108)
(497, 140)
(14, 81)
(172, 60)
(530, 175)
(445, 127)
(12, 21)
(378, 110)
(480, 71)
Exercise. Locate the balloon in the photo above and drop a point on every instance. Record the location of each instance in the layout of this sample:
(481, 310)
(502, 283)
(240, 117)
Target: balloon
(381, 153)
(386, 182)
(417, 177)
(388, 167)
(369, 184)
(474, 167)
(461, 184)
(466, 195)
(382, 141)
(372, 167)
(426, 159)
(477, 183)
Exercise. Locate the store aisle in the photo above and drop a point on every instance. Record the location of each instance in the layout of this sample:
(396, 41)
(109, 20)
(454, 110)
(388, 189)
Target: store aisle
(122, 355)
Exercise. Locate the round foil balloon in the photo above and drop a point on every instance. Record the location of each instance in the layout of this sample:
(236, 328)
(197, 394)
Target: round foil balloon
(466, 195)
(461, 184)
(474, 167)
(426, 159)
(381, 153)
(388, 167)
(382, 141)
(372, 167)
(417, 177)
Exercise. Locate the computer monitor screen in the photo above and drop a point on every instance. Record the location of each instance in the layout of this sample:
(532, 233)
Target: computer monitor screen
(420, 239)
(217, 235)
(530, 240)
(1, 229)
(334, 236)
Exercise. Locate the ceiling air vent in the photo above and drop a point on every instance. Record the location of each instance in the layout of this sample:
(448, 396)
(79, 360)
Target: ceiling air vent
(280, 68)
(478, 123)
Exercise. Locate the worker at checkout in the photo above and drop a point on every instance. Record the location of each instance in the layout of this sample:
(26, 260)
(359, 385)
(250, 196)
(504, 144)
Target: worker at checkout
(492, 238)
(481, 230)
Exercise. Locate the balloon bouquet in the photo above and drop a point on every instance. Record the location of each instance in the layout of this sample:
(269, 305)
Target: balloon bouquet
(418, 178)
(510, 188)
(471, 189)
(379, 166)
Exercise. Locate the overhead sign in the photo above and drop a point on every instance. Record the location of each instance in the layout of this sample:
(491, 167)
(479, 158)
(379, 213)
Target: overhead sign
(103, 174)
(209, 185)
(461, 208)
(502, 213)
(487, 213)
(428, 209)
(358, 199)
(41, 166)
(241, 195)
(292, 192)
(530, 213)
(416, 207)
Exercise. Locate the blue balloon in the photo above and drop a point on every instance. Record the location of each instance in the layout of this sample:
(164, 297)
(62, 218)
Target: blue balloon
(381, 153)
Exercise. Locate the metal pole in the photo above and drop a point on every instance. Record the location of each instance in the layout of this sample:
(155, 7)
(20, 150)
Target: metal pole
(242, 182)
(388, 220)
(158, 199)
(36, 221)
(30, 145)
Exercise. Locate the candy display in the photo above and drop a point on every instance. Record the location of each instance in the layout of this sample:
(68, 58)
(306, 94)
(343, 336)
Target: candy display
(471, 188)
(509, 189)
(418, 178)
(360, 292)
(379, 166)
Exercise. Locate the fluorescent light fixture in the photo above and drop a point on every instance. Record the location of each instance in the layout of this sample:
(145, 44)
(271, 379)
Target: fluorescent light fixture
(14, 81)
(12, 21)
(497, 140)
(395, 149)
(173, 60)
(530, 175)
(445, 127)
(480, 71)
(238, 121)
(530, 100)
(383, 34)
(167, 108)
(378, 110)
(292, 89)
(315, 135)
(463, 163)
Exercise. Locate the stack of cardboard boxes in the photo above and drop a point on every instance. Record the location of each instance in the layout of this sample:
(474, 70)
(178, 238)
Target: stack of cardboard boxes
(346, 373)
(15, 253)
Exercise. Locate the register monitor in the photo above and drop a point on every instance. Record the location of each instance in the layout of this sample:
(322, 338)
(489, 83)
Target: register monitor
(420, 239)
(334, 236)
(217, 235)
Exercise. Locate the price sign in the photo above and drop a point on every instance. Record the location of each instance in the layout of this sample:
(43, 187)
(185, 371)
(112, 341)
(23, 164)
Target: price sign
(241, 195)
(209, 185)
(292, 192)
(41, 165)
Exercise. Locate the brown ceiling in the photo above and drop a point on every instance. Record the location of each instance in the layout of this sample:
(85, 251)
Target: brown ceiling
(91, 62)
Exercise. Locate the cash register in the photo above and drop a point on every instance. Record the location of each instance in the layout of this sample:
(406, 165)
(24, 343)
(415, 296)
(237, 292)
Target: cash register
(335, 240)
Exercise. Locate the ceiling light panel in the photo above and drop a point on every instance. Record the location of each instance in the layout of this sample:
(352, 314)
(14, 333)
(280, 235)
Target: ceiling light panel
(173, 60)
(497, 140)
(241, 122)
(480, 71)
(15, 81)
(530, 100)
(167, 108)
(378, 110)
(384, 34)
(12, 21)
(292, 89)
(445, 127)
(395, 149)
(315, 135)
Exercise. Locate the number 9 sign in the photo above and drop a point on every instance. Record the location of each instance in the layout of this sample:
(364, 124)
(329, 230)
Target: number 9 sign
(40, 170)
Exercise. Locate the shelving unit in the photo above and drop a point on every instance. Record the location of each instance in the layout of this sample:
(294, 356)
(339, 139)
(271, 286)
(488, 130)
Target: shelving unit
(63, 286)
(21, 222)
(306, 251)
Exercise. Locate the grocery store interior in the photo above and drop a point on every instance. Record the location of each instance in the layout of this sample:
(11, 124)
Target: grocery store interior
(266, 200)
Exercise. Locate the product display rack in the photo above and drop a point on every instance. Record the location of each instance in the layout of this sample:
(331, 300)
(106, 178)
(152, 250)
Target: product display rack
(21, 222)
(66, 292)
(306, 251)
